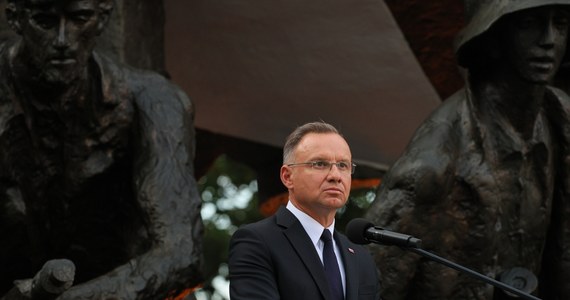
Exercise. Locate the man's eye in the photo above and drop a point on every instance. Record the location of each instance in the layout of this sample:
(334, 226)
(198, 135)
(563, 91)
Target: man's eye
(45, 21)
(527, 22)
(342, 165)
(81, 17)
(561, 22)
(321, 164)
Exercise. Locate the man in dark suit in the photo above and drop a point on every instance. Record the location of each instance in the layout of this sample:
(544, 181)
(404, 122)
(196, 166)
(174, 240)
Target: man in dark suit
(288, 255)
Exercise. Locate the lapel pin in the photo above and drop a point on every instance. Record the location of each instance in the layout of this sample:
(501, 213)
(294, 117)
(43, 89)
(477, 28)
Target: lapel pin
(351, 250)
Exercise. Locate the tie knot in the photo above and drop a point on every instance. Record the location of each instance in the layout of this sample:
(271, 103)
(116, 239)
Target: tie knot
(326, 236)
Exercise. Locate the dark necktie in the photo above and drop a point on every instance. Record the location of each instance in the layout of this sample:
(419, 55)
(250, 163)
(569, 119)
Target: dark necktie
(331, 267)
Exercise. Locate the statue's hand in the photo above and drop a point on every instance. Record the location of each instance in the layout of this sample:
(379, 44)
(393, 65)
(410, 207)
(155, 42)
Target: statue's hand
(86, 291)
(77, 293)
(55, 277)
(100, 288)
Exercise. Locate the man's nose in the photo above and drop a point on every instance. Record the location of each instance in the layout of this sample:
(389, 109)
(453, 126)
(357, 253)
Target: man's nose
(61, 40)
(547, 38)
(549, 31)
(334, 173)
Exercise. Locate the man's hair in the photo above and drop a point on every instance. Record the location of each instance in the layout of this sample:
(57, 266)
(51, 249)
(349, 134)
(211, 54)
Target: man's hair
(300, 132)
(24, 3)
(15, 8)
(106, 6)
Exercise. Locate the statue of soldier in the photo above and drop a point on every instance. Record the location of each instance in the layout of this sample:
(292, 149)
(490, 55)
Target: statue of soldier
(96, 161)
(484, 181)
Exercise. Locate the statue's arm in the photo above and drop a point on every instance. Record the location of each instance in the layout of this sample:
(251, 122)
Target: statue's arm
(557, 254)
(167, 195)
(407, 201)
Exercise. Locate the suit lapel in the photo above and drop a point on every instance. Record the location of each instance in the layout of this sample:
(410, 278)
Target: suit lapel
(304, 248)
(349, 259)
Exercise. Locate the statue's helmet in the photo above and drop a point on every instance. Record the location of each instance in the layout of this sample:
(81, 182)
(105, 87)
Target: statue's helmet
(481, 15)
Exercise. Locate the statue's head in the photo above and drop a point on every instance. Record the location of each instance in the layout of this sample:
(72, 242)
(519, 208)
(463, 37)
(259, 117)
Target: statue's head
(58, 36)
(527, 36)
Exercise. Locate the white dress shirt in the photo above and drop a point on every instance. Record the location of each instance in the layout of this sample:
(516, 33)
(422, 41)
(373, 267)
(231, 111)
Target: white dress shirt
(314, 229)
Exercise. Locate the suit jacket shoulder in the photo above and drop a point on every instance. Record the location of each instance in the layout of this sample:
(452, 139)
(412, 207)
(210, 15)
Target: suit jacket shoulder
(275, 259)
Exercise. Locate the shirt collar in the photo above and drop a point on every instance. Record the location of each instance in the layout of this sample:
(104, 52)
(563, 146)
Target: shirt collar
(504, 135)
(313, 228)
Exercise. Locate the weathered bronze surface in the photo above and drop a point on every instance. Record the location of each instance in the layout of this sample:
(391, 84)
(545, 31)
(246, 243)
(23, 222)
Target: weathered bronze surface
(96, 161)
(484, 181)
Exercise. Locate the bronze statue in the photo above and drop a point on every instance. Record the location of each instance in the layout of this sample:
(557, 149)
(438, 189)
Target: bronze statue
(484, 181)
(96, 161)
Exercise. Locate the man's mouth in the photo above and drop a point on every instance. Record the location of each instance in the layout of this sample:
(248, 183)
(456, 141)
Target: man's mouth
(62, 61)
(545, 63)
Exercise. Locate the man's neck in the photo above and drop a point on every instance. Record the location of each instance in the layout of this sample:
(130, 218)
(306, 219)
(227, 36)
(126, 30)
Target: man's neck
(518, 102)
(325, 217)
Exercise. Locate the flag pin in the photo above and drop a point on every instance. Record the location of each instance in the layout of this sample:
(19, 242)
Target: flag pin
(351, 250)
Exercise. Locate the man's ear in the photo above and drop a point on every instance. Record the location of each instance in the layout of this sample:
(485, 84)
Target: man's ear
(105, 10)
(285, 174)
(12, 17)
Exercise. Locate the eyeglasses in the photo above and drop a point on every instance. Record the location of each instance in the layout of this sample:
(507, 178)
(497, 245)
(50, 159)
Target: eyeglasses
(323, 165)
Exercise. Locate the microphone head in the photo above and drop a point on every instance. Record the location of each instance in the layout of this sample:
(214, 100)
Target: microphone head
(356, 229)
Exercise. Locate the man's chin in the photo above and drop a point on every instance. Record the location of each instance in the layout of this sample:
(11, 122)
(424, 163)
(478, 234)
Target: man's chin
(540, 79)
(57, 79)
(336, 202)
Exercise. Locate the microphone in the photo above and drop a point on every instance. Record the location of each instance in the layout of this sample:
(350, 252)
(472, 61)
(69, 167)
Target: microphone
(361, 231)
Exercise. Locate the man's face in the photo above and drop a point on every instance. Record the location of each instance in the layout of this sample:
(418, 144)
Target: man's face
(318, 192)
(535, 42)
(59, 36)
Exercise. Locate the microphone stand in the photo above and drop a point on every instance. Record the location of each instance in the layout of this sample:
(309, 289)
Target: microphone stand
(472, 273)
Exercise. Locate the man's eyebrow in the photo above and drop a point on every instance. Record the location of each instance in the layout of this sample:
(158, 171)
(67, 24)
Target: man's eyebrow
(80, 8)
(318, 158)
(564, 11)
(82, 12)
(44, 6)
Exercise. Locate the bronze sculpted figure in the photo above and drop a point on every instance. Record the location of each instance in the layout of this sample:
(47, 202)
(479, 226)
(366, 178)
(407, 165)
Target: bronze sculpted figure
(484, 181)
(96, 161)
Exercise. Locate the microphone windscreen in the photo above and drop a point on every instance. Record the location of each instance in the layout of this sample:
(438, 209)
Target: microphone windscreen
(356, 229)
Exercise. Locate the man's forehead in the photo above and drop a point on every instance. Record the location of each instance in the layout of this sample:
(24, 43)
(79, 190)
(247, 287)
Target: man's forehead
(322, 145)
(44, 4)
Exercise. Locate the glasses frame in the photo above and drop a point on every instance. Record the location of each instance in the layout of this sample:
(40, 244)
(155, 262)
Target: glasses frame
(313, 164)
